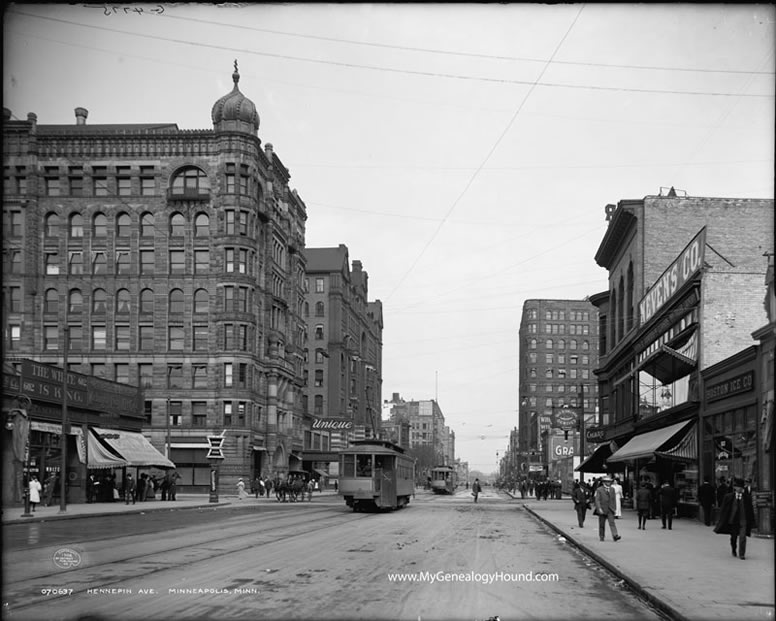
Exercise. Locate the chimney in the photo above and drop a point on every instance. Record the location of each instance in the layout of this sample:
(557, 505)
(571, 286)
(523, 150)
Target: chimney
(80, 116)
(33, 119)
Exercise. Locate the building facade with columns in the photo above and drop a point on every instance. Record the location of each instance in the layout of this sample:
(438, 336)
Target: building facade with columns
(167, 259)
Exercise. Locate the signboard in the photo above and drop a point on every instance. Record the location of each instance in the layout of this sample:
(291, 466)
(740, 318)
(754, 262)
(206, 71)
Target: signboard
(564, 419)
(594, 434)
(684, 267)
(560, 448)
(215, 451)
(728, 388)
(332, 424)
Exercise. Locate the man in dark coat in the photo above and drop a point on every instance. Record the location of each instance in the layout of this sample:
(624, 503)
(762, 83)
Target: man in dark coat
(736, 517)
(706, 496)
(722, 491)
(605, 507)
(579, 496)
(667, 496)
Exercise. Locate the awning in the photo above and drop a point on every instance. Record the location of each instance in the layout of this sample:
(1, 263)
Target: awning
(55, 428)
(647, 444)
(133, 447)
(684, 450)
(321, 472)
(597, 461)
(667, 365)
(260, 448)
(98, 456)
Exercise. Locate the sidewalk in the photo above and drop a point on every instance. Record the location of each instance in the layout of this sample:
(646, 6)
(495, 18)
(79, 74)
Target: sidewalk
(13, 514)
(687, 572)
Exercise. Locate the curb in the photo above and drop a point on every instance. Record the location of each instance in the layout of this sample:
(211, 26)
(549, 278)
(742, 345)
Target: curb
(663, 607)
(74, 516)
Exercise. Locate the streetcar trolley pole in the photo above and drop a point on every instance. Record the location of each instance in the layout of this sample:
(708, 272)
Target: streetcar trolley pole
(214, 456)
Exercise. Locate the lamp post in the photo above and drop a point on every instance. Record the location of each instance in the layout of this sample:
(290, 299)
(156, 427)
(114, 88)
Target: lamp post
(65, 424)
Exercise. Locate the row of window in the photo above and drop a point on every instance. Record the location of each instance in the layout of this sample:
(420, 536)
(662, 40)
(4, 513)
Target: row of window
(559, 315)
(232, 414)
(561, 344)
(561, 373)
(555, 387)
(552, 358)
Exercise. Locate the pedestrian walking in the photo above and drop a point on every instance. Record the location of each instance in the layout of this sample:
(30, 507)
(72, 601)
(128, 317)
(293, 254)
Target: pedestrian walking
(130, 488)
(476, 489)
(667, 504)
(722, 490)
(35, 490)
(241, 489)
(605, 506)
(173, 491)
(617, 498)
(643, 503)
(140, 489)
(579, 496)
(256, 487)
(737, 518)
(706, 497)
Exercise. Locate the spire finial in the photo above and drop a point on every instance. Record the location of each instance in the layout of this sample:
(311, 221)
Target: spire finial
(236, 74)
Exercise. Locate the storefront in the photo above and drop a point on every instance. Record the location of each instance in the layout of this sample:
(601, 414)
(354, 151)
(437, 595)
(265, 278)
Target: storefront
(729, 434)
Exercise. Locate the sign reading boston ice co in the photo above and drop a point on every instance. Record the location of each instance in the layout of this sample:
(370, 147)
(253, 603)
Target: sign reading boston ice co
(684, 267)
(332, 424)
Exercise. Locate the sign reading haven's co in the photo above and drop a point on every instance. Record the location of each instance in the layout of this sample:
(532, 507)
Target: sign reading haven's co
(684, 267)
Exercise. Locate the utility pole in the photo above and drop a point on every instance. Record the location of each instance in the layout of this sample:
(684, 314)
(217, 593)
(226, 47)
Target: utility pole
(65, 425)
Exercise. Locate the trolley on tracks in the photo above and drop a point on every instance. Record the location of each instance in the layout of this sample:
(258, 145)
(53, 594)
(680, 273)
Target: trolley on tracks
(376, 474)
(444, 480)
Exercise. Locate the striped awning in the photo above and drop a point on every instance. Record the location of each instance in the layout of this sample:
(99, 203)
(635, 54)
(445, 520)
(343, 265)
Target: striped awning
(133, 447)
(648, 444)
(98, 456)
(686, 449)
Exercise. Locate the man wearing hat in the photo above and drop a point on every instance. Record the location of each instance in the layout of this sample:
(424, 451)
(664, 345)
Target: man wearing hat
(736, 518)
(605, 508)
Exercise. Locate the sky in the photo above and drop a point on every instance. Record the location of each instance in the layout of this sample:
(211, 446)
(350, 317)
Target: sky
(464, 153)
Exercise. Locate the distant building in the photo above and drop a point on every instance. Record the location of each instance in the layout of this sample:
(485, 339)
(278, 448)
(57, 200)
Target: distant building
(426, 426)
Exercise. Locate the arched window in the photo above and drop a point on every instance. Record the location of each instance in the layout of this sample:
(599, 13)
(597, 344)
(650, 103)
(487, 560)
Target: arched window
(123, 301)
(123, 225)
(585, 346)
(573, 344)
(146, 301)
(177, 225)
(99, 225)
(76, 225)
(319, 308)
(548, 344)
(52, 225)
(75, 302)
(631, 303)
(190, 182)
(532, 344)
(51, 303)
(561, 344)
(99, 298)
(201, 301)
(621, 309)
(176, 301)
(147, 225)
(201, 225)
(306, 309)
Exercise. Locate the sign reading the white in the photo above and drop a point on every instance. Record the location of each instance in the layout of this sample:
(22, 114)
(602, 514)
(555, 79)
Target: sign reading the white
(678, 273)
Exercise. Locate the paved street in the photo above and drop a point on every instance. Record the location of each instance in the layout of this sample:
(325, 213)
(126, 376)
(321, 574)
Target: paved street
(440, 558)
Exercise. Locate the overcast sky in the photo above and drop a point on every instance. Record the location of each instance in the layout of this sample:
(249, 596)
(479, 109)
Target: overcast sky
(463, 153)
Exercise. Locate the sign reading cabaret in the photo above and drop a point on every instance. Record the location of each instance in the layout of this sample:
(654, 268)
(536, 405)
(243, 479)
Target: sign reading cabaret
(332, 424)
(684, 267)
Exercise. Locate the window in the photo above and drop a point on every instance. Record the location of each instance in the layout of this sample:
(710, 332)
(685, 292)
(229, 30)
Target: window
(146, 301)
(201, 225)
(76, 180)
(228, 375)
(122, 301)
(585, 346)
(319, 332)
(190, 182)
(122, 262)
(145, 375)
(229, 176)
(319, 309)
(229, 299)
(319, 356)
(199, 413)
(174, 376)
(75, 263)
(98, 370)
(123, 225)
(532, 344)
(124, 185)
(99, 263)
(229, 222)
(200, 338)
(318, 405)
(242, 375)
(177, 225)
(100, 225)
(147, 225)
(121, 373)
(76, 225)
(52, 225)
(147, 262)
(50, 337)
(51, 301)
(147, 181)
(99, 337)
(228, 336)
(16, 336)
(176, 301)
(121, 335)
(175, 411)
(52, 181)
(242, 337)
(75, 338)
(199, 376)
(52, 263)
(148, 408)
(318, 378)
(573, 344)
(242, 299)
(146, 338)
(175, 339)
(227, 413)
(177, 261)
(561, 344)
(243, 223)
(229, 256)
(548, 344)
(100, 180)
(548, 358)
(201, 261)
(201, 301)
(75, 304)
(15, 299)
(99, 298)
(241, 413)
(319, 285)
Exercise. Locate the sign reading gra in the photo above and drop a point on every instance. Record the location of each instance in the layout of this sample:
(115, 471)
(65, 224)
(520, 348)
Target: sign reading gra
(684, 267)
(332, 423)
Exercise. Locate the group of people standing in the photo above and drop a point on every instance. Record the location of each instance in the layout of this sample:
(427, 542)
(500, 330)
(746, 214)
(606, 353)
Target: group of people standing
(146, 486)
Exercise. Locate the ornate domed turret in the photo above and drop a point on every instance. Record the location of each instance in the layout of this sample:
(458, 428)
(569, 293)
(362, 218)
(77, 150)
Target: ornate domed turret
(235, 112)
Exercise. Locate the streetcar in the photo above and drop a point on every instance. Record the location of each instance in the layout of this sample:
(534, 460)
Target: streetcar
(376, 474)
(443, 480)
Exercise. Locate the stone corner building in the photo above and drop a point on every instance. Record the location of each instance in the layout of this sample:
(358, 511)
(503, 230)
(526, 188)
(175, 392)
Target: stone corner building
(167, 259)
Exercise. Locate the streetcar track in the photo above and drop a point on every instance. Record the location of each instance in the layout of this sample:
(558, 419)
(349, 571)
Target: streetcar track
(150, 564)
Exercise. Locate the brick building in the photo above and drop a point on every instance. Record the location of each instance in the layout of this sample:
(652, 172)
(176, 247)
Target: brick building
(167, 259)
(686, 284)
